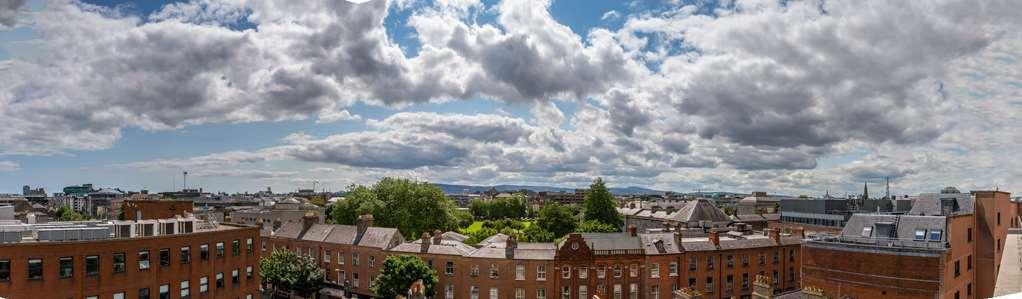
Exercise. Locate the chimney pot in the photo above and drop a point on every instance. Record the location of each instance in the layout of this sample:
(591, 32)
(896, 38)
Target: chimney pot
(509, 248)
(425, 243)
(714, 238)
(774, 234)
(437, 237)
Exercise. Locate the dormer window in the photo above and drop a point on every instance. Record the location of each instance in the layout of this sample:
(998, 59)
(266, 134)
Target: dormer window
(867, 231)
(935, 235)
(920, 235)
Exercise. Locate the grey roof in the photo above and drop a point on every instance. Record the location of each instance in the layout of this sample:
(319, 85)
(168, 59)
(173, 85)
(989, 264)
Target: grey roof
(290, 230)
(318, 232)
(904, 226)
(535, 251)
(380, 237)
(930, 203)
(489, 252)
(700, 210)
(750, 218)
(342, 234)
(659, 243)
(499, 240)
(446, 247)
(612, 241)
(454, 236)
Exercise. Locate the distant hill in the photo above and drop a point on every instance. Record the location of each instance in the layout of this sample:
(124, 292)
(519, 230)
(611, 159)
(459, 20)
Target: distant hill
(459, 189)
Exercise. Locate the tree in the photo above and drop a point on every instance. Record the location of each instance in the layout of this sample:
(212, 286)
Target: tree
(593, 226)
(285, 269)
(65, 213)
(556, 219)
(412, 207)
(535, 233)
(514, 207)
(398, 274)
(599, 205)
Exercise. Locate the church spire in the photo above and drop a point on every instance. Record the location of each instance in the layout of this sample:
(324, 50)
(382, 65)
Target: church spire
(865, 190)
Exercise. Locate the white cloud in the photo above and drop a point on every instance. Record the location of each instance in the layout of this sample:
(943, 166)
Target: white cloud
(335, 116)
(9, 166)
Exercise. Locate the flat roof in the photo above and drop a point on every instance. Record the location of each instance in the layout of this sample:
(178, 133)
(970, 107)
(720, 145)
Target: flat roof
(1009, 278)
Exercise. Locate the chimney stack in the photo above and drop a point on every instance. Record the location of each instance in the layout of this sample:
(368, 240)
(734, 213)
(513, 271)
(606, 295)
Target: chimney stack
(634, 231)
(308, 221)
(714, 238)
(799, 232)
(362, 224)
(437, 237)
(425, 243)
(775, 234)
(509, 248)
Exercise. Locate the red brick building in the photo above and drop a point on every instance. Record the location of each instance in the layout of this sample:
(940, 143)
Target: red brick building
(948, 246)
(611, 265)
(182, 258)
(138, 209)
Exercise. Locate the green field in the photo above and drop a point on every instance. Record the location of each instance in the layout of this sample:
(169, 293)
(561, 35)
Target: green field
(477, 225)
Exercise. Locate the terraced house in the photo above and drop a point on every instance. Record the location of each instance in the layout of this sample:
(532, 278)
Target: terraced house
(719, 263)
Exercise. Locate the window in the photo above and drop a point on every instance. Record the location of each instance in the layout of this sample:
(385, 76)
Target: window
(249, 246)
(204, 251)
(633, 270)
(729, 283)
(185, 291)
(958, 268)
(745, 260)
(354, 279)
(968, 263)
(617, 291)
(219, 249)
(203, 284)
(654, 291)
(92, 265)
(186, 254)
(969, 234)
(762, 259)
(519, 293)
(583, 272)
(5, 270)
(540, 293)
(601, 289)
(601, 271)
(633, 291)
(326, 255)
(234, 276)
(566, 292)
(219, 280)
(35, 269)
(541, 272)
(372, 261)
(692, 283)
(519, 273)
(164, 291)
(236, 248)
(968, 289)
(998, 218)
(777, 256)
(493, 293)
(449, 292)
(791, 274)
(730, 261)
(66, 267)
(583, 292)
(709, 284)
(119, 295)
(248, 273)
(354, 259)
(867, 231)
(473, 292)
(791, 255)
(692, 262)
(474, 271)
(709, 263)
(617, 271)
(493, 271)
(654, 271)
(143, 260)
(449, 268)
(565, 272)
(745, 281)
(119, 264)
(143, 293)
(776, 279)
(165, 257)
(920, 234)
(935, 234)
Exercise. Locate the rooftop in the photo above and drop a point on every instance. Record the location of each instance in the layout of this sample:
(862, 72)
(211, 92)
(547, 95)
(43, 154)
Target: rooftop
(13, 231)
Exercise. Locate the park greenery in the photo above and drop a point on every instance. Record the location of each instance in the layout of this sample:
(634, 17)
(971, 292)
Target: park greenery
(514, 207)
(400, 272)
(413, 207)
(285, 270)
(65, 213)
(600, 206)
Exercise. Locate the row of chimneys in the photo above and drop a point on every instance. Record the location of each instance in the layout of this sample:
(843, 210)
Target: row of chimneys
(773, 233)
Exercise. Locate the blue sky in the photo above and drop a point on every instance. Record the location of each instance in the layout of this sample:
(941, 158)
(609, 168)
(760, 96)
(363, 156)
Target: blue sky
(675, 95)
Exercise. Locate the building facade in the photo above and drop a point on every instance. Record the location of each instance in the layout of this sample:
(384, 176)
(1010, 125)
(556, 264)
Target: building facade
(154, 209)
(948, 246)
(178, 258)
(611, 265)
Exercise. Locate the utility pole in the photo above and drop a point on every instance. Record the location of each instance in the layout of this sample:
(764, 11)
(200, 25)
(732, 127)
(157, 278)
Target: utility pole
(184, 183)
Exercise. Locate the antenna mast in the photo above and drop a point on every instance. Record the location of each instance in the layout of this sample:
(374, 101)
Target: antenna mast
(184, 183)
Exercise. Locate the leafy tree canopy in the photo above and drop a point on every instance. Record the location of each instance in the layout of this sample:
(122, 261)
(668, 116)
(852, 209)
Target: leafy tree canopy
(514, 207)
(593, 226)
(600, 205)
(285, 269)
(412, 207)
(400, 272)
(65, 213)
(556, 219)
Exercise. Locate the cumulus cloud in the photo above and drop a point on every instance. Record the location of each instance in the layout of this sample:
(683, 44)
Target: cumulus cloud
(335, 116)
(9, 10)
(9, 166)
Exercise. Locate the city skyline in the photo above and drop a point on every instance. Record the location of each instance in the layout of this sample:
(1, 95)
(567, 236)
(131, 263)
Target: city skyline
(793, 98)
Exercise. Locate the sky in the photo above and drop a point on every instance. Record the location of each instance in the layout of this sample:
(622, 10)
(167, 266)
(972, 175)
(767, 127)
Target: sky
(793, 97)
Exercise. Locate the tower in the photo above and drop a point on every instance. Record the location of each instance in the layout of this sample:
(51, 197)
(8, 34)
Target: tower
(865, 191)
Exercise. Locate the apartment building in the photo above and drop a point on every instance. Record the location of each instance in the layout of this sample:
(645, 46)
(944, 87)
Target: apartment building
(611, 265)
(948, 245)
(169, 258)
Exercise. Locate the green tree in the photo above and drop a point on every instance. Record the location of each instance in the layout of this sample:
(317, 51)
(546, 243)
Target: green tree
(65, 213)
(410, 206)
(600, 205)
(400, 272)
(284, 269)
(535, 233)
(556, 219)
(593, 226)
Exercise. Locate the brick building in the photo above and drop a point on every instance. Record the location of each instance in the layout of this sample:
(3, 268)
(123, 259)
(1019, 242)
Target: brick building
(948, 246)
(611, 265)
(140, 209)
(179, 257)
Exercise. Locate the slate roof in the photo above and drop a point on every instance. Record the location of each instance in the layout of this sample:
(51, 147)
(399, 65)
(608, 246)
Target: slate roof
(454, 236)
(342, 234)
(612, 241)
(446, 247)
(535, 251)
(318, 232)
(290, 230)
(380, 237)
(699, 210)
(666, 241)
(906, 225)
(930, 203)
